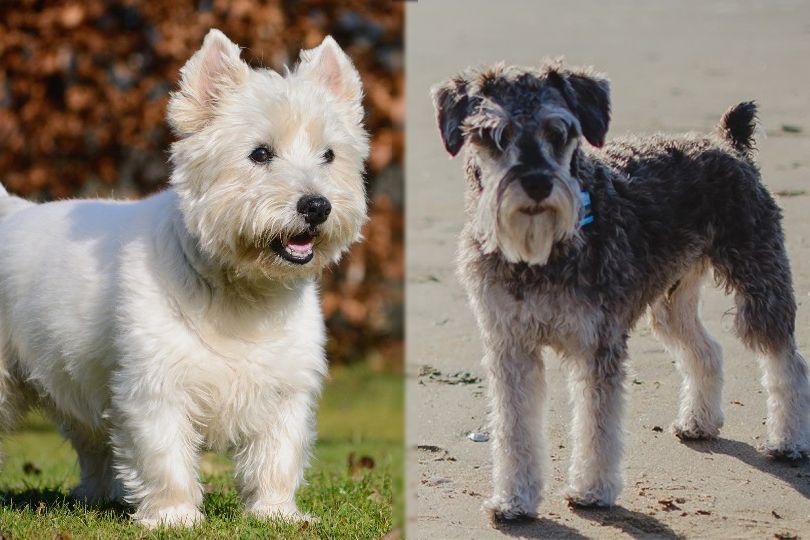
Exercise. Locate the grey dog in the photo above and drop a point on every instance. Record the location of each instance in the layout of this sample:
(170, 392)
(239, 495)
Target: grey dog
(567, 245)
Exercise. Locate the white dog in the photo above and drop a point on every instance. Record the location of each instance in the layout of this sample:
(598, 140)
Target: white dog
(152, 330)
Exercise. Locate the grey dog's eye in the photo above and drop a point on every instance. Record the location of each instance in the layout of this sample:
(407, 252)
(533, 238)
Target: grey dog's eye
(556, 135)
(262, 154)
(329, 156)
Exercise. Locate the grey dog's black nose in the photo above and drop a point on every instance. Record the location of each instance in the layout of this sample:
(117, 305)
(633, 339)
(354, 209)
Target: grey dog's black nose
(536, 185)
(314, 208)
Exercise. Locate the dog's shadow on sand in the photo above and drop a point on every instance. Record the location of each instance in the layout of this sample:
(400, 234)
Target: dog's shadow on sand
(633, 524)
(638, 525)
(537, 528)
(794, 473)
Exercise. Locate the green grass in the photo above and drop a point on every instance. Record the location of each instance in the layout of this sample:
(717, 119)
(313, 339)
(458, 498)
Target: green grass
(361, 412)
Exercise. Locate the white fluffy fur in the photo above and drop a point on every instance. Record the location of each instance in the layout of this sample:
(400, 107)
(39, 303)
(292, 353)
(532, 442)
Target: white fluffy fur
(151, 330)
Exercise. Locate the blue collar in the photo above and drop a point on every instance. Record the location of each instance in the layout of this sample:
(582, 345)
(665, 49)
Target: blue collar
(587, 218)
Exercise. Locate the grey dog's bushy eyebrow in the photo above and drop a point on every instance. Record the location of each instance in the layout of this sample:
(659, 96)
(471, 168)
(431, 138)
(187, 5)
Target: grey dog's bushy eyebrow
(491, 118)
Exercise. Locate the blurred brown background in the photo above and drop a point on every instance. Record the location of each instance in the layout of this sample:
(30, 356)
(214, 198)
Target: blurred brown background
(83, 93)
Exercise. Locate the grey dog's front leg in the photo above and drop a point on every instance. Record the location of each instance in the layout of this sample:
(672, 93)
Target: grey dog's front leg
(597, 395)
(516, 380)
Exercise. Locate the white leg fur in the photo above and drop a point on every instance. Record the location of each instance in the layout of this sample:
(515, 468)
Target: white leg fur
(516, 394)
(157, 455)
(788, 424)
(676, 322)
(270, 464)
(597, 395)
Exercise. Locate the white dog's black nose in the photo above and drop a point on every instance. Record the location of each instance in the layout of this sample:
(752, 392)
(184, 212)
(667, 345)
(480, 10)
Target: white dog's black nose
(314, 208)
(537, 186)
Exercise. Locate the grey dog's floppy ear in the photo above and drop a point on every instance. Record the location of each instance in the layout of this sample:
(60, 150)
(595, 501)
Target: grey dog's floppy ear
(452, 107)
(588, 96)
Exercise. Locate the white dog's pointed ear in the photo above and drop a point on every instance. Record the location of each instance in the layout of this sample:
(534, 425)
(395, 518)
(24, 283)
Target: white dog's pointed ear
(213, 70)
(328, 65)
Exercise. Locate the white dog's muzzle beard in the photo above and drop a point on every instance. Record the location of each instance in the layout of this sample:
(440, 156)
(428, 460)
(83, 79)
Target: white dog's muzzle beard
(523, 222)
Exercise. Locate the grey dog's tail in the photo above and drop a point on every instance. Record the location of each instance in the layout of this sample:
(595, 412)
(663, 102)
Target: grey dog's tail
(738, 125)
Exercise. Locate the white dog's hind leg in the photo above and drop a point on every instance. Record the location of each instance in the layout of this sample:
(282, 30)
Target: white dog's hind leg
(516, 383)
(97, 481)
(597, 394)
(12, 406)
(156, 450)
(13, 398)
(676, 321)
(269, 463)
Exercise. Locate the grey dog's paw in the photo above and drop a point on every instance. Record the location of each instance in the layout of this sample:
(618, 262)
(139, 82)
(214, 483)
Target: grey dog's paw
(787, 451)
(692, 429)
(502, 509)
(599, 496)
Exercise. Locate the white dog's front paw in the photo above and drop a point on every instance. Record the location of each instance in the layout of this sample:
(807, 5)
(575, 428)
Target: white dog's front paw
(183, 515)
(599, 495)
(693, 426)
(502, 508)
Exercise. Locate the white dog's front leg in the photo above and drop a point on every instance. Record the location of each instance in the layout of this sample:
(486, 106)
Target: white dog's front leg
(597, 396)
(156, 452)
(270, 462)
(516, 394)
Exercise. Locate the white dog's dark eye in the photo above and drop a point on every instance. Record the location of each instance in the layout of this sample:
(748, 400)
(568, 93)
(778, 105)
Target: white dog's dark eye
(261, 154)
(329, 156)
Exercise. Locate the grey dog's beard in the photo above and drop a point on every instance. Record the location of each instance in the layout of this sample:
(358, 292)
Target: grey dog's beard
(527, 238)
(503, 227)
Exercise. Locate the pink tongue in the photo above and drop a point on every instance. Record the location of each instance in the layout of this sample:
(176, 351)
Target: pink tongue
(301, 244)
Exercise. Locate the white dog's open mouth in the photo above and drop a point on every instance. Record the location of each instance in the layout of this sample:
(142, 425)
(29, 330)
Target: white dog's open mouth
(298, 249)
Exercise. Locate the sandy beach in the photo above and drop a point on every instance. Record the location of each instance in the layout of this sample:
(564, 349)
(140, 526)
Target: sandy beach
(672, 70)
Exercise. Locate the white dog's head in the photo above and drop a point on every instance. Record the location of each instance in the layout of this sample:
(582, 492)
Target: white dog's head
(522, 129)
(269, 168)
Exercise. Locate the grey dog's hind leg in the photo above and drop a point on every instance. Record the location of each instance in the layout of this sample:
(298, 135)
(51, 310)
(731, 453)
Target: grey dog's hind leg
(676, 322)
(752, 261)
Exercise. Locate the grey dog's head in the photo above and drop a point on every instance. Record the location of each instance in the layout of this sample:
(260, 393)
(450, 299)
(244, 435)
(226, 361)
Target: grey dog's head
(522, 129)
